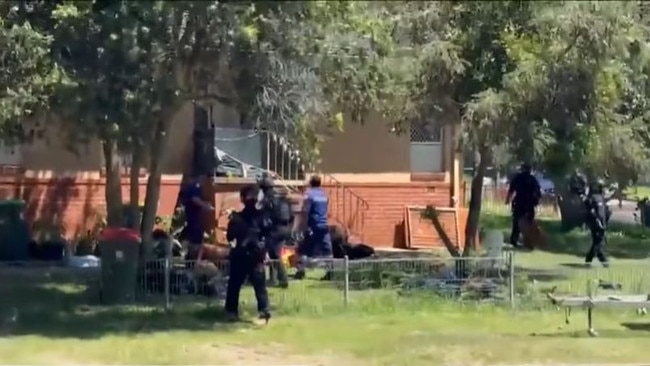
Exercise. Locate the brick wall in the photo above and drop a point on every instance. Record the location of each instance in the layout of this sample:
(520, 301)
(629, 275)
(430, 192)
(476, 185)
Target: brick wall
(73, 205)
(383, 225)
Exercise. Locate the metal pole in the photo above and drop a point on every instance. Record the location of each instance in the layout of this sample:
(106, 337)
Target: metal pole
(511, 278)
(167, 276)
(268, 151)
(346, 280)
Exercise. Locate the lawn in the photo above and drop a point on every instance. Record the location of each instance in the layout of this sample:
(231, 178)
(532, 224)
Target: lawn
(47, 322)
(636, 193)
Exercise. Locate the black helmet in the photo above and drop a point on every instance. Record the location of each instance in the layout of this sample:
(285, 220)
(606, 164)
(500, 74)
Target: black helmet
(266, 182)
(526, 168)
(598, 186)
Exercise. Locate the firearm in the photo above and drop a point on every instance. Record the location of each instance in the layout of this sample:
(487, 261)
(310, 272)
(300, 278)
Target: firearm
(596, 218)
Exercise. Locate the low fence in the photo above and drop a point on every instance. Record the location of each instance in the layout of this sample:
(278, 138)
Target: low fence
(39, 292)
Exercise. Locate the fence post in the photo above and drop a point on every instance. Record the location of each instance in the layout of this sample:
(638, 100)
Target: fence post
(511, 278)
(167, 269)
(346, 280)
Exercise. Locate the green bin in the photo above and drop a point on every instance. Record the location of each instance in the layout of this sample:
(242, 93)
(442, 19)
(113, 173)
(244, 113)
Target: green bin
(120, 248)
(14, 231)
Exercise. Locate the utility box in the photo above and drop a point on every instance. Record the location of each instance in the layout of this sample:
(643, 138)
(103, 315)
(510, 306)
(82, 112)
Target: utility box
(120, 248)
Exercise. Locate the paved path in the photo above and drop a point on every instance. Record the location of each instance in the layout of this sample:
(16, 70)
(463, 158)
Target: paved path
(624, 214)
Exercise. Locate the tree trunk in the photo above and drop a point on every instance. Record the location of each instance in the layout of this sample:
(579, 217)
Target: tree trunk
(476, 197)
(134, 188)
(449, 244)
(572, 209)
(113, 191)
(156, 156)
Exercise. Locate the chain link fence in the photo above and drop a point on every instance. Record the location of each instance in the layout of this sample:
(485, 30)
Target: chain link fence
(532, 285)
(41, 291)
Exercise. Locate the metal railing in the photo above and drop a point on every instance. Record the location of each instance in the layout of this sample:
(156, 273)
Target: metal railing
(283, 160)
(346, 207)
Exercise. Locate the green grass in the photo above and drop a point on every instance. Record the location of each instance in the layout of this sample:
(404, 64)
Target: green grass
(636, 193)
(44, 319)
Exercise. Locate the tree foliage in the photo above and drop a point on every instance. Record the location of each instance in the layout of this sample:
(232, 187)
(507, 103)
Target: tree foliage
(560, 84)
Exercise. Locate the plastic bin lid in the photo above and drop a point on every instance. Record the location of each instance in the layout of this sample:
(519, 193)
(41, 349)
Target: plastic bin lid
(12, 202)
(119, 234)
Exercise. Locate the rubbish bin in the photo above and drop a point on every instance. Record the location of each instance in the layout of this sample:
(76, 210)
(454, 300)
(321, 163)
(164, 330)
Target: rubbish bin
(644, 210)
(14, 231)
(120, 248)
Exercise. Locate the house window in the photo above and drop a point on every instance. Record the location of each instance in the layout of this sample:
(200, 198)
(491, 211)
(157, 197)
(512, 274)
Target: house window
(426, 148)
(428, 133)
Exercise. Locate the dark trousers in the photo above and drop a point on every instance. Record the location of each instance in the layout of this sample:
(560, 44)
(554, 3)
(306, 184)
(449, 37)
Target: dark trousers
(598, 240)
(317, 244)
(244, 266)
(274, 243)
(527, 213)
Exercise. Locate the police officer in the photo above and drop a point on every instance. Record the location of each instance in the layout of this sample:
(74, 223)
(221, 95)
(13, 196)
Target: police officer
(318, 242)
(578, 183)
(527, 193)
(278, 211)
(194, 207)
(597, 218)
(247, 229)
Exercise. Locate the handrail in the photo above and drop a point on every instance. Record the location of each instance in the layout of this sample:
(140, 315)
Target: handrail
(336, 181)
(285, 165)
(354, 221)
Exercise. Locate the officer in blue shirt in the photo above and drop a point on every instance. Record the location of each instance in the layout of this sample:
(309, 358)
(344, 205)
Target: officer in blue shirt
(194, 206)
(317, 242)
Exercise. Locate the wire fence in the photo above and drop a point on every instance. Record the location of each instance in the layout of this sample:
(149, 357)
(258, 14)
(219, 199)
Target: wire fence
(40, 291)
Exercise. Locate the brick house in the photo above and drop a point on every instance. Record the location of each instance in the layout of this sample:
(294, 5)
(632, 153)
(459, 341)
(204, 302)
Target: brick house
(371, 175)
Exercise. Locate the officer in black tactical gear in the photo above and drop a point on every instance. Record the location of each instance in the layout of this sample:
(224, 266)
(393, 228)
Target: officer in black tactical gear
(597, 218)
(248, 230)
(578, 183)
(527, 193)
(278, 212)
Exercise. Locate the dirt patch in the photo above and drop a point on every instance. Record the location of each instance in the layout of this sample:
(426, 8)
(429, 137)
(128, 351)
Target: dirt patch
(275, 355)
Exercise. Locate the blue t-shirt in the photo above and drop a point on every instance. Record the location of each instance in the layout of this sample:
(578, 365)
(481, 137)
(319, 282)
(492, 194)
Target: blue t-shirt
(316, 203)
(194, 227)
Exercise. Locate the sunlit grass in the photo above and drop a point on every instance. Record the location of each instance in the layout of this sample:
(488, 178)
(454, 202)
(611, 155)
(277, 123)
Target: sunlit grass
(49, 323)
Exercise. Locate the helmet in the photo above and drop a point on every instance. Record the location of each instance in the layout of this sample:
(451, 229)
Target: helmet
(598, 186)
(266, 182)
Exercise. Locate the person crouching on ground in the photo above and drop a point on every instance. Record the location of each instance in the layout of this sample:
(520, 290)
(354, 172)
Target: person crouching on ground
(318, 243)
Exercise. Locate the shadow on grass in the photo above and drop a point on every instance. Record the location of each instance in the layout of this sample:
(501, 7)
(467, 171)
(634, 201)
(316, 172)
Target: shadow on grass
(602, 333)
(574, 265)
(541, 275)
(626, 241)
(644, 327)
(56, 304)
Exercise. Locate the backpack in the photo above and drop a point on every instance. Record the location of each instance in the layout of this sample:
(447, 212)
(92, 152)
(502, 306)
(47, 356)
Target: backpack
(250, 236)
(282, 213)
